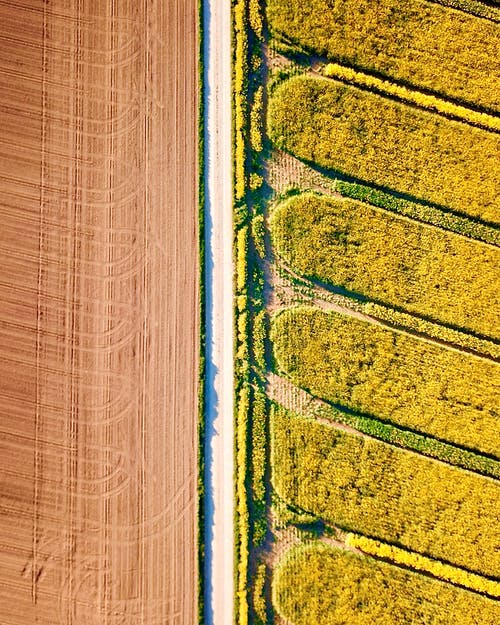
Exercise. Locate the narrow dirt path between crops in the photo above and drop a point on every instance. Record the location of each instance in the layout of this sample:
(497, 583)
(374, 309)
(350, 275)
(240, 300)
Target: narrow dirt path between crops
(219, 394)
(321, 296)
(297, 400)
(98, 312)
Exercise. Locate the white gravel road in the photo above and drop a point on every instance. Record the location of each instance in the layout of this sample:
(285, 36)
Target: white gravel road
(219, 396)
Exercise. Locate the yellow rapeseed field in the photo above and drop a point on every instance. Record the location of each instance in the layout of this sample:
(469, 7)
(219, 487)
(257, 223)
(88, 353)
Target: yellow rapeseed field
(366, 486)
(384, 472)
(385, 257)
(412, 41)
(320, 584)
(397, 378)
(394, 145)
(422, 563)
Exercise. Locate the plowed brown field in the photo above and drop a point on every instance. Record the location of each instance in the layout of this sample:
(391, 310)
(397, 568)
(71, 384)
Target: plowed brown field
(98, 312)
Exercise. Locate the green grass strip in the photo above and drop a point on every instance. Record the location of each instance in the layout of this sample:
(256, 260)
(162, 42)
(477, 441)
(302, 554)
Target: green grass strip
(412, 440)
(425, 214)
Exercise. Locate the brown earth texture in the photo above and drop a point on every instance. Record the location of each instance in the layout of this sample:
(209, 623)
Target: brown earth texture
(98, 312)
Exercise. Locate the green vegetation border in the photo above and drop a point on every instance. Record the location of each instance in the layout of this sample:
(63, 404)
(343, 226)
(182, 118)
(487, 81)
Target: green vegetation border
(420, 212)
(202, 336)
(250, 317)
(414, 441)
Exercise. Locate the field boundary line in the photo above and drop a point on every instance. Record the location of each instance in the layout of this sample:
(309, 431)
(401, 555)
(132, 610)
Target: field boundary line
(478, 231)
(201, 277)
(477, 8)
(420, 563)
(412, 96)
(327, 414)
(320, 296)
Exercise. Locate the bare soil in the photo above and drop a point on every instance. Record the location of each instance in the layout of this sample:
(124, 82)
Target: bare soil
(99, 317)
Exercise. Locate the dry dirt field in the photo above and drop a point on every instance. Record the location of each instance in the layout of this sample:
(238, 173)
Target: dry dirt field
(98, 312)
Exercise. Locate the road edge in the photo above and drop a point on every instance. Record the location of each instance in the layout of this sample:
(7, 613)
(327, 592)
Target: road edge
(218, 503)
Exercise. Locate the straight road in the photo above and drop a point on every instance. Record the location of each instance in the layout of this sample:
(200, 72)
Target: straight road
(219, 482)
(99, 318)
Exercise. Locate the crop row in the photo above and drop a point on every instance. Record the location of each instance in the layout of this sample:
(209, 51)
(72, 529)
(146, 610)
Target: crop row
(475, 7)
(395, 377)
(320, 583)
(384, 142)
(306, 292)
(424, 100)
(365, 486)
(242, 344)
(240, 86)
(424, 213)
(451, 336)
(385, 257)
(418, 562)
(412, 41)
(401, 437)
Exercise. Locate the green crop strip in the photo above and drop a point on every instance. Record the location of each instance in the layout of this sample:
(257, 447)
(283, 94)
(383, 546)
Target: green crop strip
(408, 439)
(419, 212)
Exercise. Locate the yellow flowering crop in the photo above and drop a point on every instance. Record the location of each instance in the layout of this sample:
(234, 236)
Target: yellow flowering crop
(423, 563)
(394, 377)
(378, 140)
(321, 584)
(391, 259)
(411, 41)
(393, 495)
